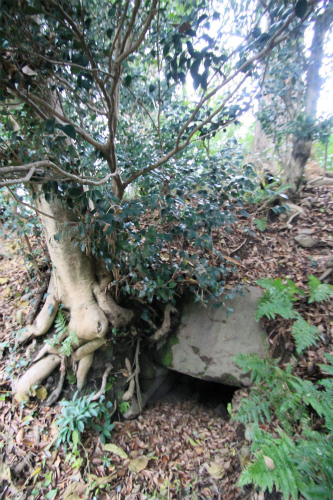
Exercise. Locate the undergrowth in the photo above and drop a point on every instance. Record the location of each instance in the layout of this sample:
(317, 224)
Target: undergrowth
(294, 453)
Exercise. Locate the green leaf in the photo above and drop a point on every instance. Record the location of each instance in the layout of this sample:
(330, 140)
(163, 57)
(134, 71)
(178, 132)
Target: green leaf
(301, 8)
(261, 224)
(304, 335)
(51, 494)
(319, 292)
(69, 130)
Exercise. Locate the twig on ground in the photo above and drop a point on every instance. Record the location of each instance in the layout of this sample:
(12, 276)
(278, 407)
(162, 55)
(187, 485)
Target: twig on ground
(238, 248)
(325, 274)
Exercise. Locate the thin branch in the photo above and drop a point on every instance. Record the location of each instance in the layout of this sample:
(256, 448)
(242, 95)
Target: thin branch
(137, 44)
(49, 164)
(37, 210)
(130, 25)
(26, 98)
(243, 68)
(122, 20)
(22, 180)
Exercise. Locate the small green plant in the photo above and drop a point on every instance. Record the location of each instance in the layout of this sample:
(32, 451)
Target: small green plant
(79, 414)
(278, 300)
(261, 224)
(124, 407)
(71, 339)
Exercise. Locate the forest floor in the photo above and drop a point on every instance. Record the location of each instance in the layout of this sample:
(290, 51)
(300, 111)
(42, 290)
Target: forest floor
(189, 451)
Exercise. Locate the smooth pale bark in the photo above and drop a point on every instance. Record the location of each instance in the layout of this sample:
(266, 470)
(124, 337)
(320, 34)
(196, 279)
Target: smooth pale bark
(80, 284)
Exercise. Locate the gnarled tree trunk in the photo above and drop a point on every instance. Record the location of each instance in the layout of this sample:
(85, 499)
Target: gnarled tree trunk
(80, 284)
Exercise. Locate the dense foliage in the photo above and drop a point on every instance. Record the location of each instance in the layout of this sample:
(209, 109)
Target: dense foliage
(111, 108)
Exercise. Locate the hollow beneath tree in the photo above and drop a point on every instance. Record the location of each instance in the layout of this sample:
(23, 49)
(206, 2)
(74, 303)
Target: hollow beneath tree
(186, 388)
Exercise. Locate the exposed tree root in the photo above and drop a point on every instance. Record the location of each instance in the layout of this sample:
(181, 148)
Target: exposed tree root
(118, 316)
(87, 348)
(47, 349)
(37, 373)
(128, 395)
(104, 380)
(38, 299)
(165, 328)
(83, 369)
(54, 396)
(133, 380)
(45, 318)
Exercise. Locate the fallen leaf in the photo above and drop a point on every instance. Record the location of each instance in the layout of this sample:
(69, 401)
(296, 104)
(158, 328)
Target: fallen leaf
(269, 462)
(99, 481)
(116, 450)
(216, 470)
(3, 281)
(19, 436)
(138, 464)
(41, 393)
(21, 397)
(199, 450)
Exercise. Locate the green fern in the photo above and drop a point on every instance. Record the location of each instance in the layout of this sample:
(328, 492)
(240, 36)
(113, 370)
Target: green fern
(304, 335)
(60, 324)
(319, 292)
(255, 409)
(302, 457)
(277, 299)
(282, 473)
(68, 343)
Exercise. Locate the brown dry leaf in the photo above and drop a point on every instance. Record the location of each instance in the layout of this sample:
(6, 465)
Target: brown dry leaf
(116, 450)
(7, 291)
(199, 450)
(3, 281)
(138, 464)
(269, 462)
(216, 470)
(21, 397)
(92, 478)
(19, 436)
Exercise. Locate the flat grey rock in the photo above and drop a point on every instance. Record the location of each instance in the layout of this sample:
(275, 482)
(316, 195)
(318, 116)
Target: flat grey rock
(207, 339)
(305, 241)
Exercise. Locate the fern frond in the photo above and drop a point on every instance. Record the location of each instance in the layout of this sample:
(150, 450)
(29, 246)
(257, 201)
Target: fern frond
(328, 368)
(304, 335)
(60, 323)
(318, 291)
(277, 300)
(254, 410)
(68, 343)
(284, 476)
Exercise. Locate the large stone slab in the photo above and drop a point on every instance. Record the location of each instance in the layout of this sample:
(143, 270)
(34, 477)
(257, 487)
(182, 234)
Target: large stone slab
(207, 339)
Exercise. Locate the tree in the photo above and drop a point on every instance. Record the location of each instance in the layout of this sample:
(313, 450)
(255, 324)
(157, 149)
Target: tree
(95, 99)
(290, 93)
